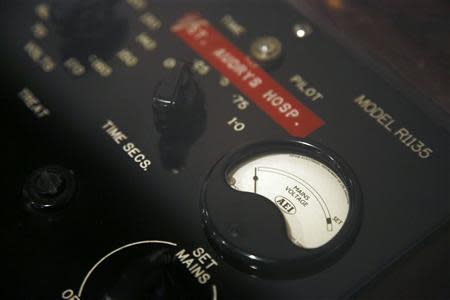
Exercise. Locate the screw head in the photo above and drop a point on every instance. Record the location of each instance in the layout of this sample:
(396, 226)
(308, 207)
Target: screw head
(266, 49)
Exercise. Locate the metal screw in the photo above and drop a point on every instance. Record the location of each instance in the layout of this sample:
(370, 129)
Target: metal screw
(266, 49)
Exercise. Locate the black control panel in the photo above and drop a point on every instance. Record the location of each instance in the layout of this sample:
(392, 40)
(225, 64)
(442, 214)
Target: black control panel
(204, 150)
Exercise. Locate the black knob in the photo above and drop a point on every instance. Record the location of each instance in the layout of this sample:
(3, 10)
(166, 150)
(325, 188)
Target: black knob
(179, 115)
(49, 188)
(88, 27)
(82, 19)
(48, 183)
(157, 276)
(144, 278)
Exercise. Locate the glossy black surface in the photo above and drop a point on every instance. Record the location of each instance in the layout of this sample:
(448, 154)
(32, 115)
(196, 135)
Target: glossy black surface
(118, 202)
(179, 115)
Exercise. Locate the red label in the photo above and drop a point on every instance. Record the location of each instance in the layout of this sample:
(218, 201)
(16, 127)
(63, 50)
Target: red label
(247, 76)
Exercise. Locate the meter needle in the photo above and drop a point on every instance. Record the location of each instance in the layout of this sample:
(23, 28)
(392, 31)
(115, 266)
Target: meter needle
(255, 179)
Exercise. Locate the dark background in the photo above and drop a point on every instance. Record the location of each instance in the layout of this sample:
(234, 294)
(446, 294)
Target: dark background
(411, 38)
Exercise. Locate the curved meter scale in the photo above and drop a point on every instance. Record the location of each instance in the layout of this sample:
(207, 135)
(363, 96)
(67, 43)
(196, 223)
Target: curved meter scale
(281, 208)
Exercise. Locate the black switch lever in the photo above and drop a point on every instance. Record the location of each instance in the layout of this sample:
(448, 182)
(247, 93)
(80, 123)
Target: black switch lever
(179, 115)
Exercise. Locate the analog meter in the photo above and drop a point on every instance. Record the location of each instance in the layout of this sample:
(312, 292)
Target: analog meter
(280, 208)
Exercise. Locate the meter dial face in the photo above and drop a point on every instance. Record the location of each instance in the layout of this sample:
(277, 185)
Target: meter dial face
(312, 198)
(281, 208)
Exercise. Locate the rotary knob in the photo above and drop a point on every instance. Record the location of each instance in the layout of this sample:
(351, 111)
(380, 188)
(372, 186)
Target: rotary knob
(49, 189)
(88, 26)
(142, 271)
(155, 276)
(82, 19)
(179, 115)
